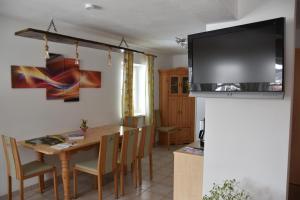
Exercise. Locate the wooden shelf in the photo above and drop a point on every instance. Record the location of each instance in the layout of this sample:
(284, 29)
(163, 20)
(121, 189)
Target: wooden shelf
(65, 39)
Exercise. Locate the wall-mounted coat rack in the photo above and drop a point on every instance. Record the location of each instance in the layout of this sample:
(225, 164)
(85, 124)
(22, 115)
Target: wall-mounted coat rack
(65, 39)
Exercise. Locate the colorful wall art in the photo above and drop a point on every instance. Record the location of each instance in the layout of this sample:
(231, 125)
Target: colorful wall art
(62, 78)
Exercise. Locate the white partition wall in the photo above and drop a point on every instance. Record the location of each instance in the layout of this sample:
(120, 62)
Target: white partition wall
(249, 139)
(200, 115)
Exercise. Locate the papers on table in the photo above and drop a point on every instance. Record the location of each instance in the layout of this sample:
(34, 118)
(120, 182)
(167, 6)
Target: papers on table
(62, 146)
(76, 135)
(192, 150)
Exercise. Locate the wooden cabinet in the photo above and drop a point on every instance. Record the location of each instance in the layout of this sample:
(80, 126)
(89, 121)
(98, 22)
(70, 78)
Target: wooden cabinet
(174, 85)
(177, 108)
(178, 85)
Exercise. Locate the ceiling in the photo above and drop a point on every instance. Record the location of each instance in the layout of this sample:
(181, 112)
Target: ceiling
(151, 24)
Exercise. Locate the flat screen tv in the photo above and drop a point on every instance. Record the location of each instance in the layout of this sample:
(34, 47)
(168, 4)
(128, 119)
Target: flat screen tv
(246, 58)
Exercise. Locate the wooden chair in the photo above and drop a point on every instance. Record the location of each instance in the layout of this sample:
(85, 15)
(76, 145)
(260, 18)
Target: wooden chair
(21, 172)
(146, 140)
(164, 129)
(128, 156)
(105, 163)
(134, 121)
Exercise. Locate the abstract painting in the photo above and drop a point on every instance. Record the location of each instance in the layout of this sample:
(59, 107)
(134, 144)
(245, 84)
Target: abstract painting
(55, 68)
(61, 78)
(90, 79)
(28, 77)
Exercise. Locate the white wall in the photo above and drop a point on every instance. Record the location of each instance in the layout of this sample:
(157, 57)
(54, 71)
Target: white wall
(200, 115)
(180, 60)
(249, 139)
(25, 113)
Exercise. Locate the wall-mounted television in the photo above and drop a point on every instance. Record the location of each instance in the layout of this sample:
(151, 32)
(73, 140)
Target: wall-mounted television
(242, 59)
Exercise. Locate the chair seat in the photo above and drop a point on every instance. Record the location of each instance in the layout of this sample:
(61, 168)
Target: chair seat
(88, 166)
(35, 167)
(166, 129)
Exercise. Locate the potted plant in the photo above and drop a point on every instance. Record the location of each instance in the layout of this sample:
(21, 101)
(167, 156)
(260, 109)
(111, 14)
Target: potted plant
(83, 125)
(230, 190)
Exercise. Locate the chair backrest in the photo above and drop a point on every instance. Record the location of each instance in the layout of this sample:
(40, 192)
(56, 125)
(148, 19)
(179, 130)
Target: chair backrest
(129, 147)
(108, 153)
(134, 121)
(140, 121)
(12, 158)
(146, 141)
(157, 118)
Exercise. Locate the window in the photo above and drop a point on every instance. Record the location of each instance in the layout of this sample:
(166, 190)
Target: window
(139, 89)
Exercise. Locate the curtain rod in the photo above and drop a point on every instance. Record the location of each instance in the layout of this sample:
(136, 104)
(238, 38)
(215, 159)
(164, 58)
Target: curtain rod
(65, 39)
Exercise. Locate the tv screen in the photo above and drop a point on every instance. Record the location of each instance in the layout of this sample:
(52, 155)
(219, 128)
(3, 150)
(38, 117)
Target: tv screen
(246, 58)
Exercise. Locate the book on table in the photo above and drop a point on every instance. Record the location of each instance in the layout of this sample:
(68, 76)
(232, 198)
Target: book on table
(76, 135)
(48, 140)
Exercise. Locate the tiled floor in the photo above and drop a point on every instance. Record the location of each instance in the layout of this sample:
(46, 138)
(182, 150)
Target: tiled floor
(161, 188)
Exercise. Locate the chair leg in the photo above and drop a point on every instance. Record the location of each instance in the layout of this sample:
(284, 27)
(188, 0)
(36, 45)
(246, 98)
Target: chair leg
(96, 183)
(168, 141)
(75, 183)
(55, 185)
(99, 187)
(150, 166)
(139, 168)
(9, 187)
(134, 173)
(125, 170)
(154, 139)
(132, 170)
(21, 189)
(176, 138)
(40, 157)
(132, 167)
(122, 180)
(116, 183)
(42, 183)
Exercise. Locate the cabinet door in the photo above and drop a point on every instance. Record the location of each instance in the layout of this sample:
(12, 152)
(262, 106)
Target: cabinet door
(184, 86)
(185, 112)
(164, 97)
(185, 135)
(174, 85)
(175, 103)
(174, 110)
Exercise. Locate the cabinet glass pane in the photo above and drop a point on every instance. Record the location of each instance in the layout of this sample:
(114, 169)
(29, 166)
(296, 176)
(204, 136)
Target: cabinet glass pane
(185, 85)
(174, 85)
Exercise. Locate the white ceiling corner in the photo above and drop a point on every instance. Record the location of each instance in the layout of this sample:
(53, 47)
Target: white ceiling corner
(231, 6)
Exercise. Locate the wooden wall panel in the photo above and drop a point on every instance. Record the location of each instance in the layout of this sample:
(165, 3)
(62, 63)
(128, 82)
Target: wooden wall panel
(295, 142)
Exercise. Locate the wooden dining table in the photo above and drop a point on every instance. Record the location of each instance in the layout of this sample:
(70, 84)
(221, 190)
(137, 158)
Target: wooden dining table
(92, 138)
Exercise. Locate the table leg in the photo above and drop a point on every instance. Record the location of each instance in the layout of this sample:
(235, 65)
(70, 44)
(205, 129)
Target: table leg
(40, 157)
(64, 159)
